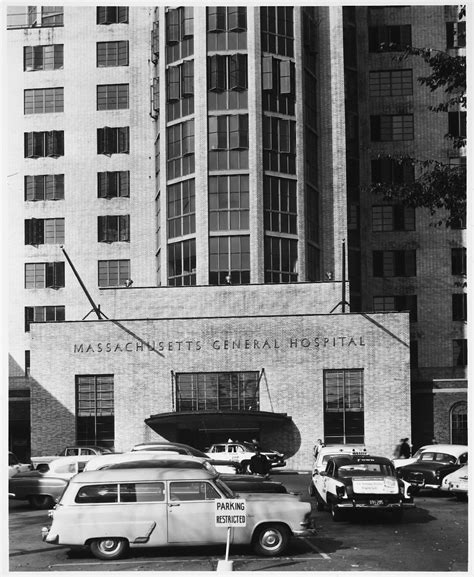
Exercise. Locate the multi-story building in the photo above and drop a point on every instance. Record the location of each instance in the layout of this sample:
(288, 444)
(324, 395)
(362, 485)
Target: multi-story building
(399, 258)
(210, 146)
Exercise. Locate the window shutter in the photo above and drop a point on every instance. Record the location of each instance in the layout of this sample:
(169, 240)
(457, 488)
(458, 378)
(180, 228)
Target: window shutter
(376, 172)
(238, 72)
(155, 41)
(101, 229)
(216, 19)
(216, 75)
(410, 263)
(405, 36)
(29, 317)
(286, 76)
(237, 18)
(122, 14)
(55, 143)
(29, 149)
(375, 128)
(124, 228)
(102, 15)
(124, 183)
(173, 83)
(187, 22)
(187, 78)
(398, 217)
(172, 26)
(123, 139)
(28, 58)
(267, 72)
(374, 42)
(29, 185)
(377, 258)
(58, 55)
(155, 92)
(58, 271)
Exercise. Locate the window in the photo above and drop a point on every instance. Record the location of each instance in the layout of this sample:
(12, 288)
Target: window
(397, 303)
(459, 261)
(44, 57)
(179, 33)
(44, 187)
(113, 140)
(48, 314)
(277, 29)
(193, 491)
(389, 38)
(233, 391)
(460, 352)
(112, 14)
(457, 124)
(391, 127)
(279, 144)
(390, 170)
(229, 256)
(459, 307)
(459, 423)
(114, 228)
(344, 406)
(389, 263)
(281, 258)
(113, 184)
(52, 15)
(113, 272)
(228, 142)
(227, 28)
(180, 149)
(391, 83)
(227, 82)
(44, 231)
(44, 100)
(112, 53)
(95, 410)
(181, 209)
(182, 263)
(44, 275)
(229, 202)
(278, 84)
(180, 90)
(27, 365)
(41, 144)
(387, 218)
(279, 196)
(455, 34)
(112, 96)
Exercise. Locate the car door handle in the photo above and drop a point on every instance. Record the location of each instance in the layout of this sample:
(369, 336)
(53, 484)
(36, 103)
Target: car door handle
(174, 504)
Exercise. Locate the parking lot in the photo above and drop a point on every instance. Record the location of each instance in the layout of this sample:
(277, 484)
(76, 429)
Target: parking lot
(432, 537)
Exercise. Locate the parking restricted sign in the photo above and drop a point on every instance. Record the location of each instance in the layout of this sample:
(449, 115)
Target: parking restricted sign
(230, 512)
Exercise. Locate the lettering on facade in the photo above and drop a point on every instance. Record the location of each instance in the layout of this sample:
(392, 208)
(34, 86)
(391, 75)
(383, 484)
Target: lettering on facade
(187, 346)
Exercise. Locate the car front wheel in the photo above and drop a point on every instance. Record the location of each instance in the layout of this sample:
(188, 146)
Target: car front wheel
(41, 501)
(109, 548)
(271, 539)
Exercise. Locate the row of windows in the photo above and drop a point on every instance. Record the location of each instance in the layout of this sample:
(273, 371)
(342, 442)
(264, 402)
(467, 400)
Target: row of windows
(397, 38)
(51, 186)
(48, 100)
(51, 56)
(53, 16)
(51, 274)
(391, 263)
(409, 303)
(110, 140)
(111, 228)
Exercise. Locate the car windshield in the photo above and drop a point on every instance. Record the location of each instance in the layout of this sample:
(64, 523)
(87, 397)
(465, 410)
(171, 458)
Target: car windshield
(366, 469)
(438, 457)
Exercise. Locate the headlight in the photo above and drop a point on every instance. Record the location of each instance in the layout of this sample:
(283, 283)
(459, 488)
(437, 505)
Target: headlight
(340, 491)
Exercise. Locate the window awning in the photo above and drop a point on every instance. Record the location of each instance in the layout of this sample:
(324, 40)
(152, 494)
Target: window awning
(217, 420)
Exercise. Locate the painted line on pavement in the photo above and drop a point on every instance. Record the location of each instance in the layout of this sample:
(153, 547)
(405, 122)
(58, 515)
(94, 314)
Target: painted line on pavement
(314, 548)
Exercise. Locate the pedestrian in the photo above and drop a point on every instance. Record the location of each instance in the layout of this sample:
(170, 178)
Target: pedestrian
(434, 441)
(405, 449)
(259, 464)
(396, 452)
(256, 444)
(319, 444)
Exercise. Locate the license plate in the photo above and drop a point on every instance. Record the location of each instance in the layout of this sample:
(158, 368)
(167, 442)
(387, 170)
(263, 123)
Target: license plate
(375, 501)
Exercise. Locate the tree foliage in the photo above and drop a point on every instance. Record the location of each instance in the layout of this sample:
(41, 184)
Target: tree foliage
(439, 186)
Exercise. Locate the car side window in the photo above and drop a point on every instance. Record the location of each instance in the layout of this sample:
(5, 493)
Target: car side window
(71, 452)
(141, 492)
(329, 468)
(192, 491)
(87, 452)
(104, 493)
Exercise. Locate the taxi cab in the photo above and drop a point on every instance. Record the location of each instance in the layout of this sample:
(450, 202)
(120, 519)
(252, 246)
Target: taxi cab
(360, 482)
(110, 510)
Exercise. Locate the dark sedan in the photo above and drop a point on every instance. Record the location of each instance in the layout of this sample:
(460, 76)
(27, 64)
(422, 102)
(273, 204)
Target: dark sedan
(432, 466)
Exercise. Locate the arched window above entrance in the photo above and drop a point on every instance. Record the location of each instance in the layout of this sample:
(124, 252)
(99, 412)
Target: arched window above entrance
(459, 423)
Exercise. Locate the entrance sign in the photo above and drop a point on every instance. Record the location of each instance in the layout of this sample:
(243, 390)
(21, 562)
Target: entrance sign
(230, 512)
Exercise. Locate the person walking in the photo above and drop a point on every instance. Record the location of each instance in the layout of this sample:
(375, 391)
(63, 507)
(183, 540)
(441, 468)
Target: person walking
(319, 444)
(259, 464)
(405, 449)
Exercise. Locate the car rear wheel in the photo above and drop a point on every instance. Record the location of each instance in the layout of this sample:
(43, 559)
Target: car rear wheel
(109, 548)
(41, 501)
(336, 513)
(271, 539)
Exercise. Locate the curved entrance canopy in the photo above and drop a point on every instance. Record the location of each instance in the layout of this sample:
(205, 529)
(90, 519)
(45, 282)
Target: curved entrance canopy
(216, 420)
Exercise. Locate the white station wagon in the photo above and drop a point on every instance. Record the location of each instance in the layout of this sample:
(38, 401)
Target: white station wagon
(111, 510)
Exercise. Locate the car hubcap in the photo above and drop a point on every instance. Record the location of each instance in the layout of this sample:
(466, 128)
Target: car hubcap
(271, 539)
(108, 545)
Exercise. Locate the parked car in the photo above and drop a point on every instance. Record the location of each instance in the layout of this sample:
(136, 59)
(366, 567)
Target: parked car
(242, 452)
(70, 451)
(42, 489)
(457, 483)
(142, 459)
(326, 452)
(403, 462)
(360, 483)
(222, 465)
(15, 467)
(155, 507)
(430, 468)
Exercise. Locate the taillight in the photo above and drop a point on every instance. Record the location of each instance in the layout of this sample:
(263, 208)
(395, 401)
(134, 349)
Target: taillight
(340, 491)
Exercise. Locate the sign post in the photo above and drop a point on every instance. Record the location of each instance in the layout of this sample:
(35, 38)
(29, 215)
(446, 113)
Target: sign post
(229, 513)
